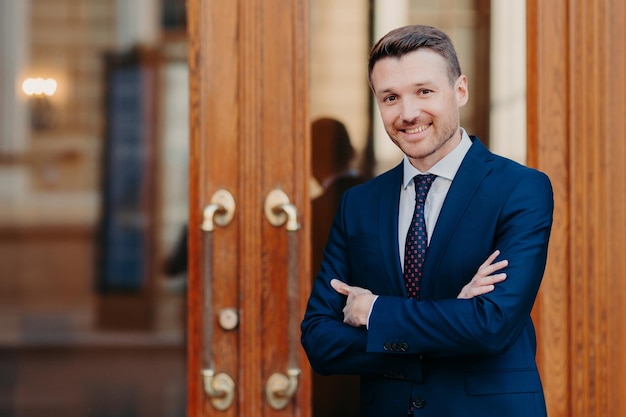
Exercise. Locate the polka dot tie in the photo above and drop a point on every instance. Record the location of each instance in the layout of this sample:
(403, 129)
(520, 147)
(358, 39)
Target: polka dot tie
(417, 238)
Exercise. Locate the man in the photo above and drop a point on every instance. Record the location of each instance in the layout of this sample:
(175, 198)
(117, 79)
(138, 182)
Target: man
(448, 341)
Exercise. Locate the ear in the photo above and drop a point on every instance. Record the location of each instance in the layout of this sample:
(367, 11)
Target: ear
(461, 90)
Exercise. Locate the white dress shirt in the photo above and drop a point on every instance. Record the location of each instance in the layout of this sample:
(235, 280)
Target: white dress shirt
(445, 170)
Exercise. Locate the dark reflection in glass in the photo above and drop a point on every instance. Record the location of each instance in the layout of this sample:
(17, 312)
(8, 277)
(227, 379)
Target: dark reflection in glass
(332, 165)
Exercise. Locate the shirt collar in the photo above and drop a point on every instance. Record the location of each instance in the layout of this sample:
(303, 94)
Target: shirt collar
(446, 167)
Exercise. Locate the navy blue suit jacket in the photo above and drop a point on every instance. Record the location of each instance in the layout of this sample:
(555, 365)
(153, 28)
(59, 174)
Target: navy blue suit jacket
(447, 357)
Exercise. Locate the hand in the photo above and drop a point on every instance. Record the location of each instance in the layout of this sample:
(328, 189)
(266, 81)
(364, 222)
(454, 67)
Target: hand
(483, 282)
(358, 304)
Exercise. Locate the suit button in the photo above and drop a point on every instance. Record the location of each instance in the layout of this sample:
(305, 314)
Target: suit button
(404, 347)
(418, 403)
(387, 346)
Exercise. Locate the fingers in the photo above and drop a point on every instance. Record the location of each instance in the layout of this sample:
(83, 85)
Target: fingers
(358, 304)
(488, 267)
(340, 286)
(345, 289)
(480, 286)
(486, 278)
(490, 259)
(493, 279)
(476, 291)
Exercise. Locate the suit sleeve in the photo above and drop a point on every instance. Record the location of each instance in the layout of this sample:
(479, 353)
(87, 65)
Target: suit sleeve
(487, 324)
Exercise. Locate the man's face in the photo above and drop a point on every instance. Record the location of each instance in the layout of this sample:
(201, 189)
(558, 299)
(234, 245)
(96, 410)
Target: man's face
(418, 106)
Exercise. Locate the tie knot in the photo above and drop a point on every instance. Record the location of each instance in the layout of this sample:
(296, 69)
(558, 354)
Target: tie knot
(422, 186)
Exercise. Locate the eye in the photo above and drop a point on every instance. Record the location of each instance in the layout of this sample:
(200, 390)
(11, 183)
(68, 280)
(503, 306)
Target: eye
(425, 92)
(390, 99)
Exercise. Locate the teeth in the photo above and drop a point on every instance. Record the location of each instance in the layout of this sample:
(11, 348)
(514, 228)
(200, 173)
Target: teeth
(417, 129)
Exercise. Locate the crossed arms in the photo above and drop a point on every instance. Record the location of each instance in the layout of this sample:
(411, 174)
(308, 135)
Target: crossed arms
(360, 300)
(485, 315)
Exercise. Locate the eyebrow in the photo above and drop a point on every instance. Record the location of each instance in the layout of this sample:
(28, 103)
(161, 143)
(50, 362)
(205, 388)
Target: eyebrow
(419, 84)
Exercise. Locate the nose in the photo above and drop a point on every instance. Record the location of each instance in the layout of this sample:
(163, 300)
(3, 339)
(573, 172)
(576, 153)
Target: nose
(410, 110)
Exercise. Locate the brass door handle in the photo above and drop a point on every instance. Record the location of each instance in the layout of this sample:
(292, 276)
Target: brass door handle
(218, 387)
(221, 211)
(279, 210)
(280, 388)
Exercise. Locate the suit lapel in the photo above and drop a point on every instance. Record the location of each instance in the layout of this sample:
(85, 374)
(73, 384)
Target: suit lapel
(389, 202)
(474, 168)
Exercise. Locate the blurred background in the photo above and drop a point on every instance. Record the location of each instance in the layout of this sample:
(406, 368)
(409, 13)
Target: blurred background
(93, 177)
(93, 202)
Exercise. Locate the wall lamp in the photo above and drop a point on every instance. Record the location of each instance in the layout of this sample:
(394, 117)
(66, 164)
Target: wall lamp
(39, 91)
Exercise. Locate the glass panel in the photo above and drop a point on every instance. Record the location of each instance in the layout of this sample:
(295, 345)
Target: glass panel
(341, 115)
(339, 95)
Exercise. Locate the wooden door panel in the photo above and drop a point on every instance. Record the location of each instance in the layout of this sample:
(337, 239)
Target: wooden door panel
(249, 136)
(284, 163)
(214, 120)
(576, 103)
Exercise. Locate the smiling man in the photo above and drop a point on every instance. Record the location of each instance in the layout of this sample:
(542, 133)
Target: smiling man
(431, 269)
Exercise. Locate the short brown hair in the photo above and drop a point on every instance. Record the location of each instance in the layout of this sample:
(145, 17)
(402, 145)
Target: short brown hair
(407, 39)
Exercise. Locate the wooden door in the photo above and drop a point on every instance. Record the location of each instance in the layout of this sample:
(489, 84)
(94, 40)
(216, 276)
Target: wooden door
(248, 275)
(576, 129)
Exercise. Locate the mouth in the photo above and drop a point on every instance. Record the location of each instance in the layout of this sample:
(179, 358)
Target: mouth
(417, 129)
